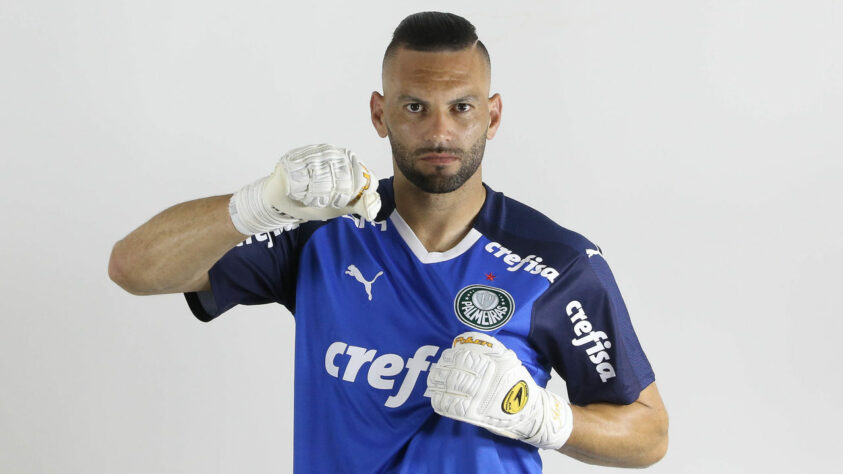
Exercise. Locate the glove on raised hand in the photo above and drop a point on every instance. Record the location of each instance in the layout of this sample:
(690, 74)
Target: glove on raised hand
(314, 182)
(479, 381)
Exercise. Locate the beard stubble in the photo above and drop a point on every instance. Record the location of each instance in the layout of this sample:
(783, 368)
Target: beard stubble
(437, 182)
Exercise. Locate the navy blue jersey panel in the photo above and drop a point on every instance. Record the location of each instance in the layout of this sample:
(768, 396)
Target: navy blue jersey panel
(629, 354)
(596, 368)
(260, 270)
(581, 324)
(527, 231)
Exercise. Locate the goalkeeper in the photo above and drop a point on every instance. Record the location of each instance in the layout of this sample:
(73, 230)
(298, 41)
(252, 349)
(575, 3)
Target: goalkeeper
(430, 309)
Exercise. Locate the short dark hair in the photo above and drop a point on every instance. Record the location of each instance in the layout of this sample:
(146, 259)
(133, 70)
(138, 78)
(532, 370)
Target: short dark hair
(435, 31)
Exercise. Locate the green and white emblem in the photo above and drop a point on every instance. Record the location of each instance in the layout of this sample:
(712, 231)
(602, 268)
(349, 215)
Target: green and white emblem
(483, 307)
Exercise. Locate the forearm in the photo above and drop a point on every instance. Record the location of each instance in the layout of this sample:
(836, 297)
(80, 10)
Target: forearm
(175, 249)
(632, 435)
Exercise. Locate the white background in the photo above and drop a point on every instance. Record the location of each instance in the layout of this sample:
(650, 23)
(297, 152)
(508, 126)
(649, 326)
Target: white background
(697, 142)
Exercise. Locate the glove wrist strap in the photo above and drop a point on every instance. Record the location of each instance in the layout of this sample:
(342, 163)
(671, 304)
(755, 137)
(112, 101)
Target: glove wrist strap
(250, 214)
(556, 424)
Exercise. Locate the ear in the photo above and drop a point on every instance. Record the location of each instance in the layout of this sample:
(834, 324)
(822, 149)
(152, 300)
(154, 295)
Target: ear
(495, 109)
(376, 108)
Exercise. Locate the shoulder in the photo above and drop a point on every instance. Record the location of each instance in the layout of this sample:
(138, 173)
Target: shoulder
(521, 229)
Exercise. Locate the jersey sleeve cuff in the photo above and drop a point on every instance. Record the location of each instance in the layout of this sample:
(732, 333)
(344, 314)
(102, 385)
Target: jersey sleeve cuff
(203, 305)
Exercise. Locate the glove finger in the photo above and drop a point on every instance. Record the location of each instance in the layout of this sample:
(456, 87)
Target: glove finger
(445, 403)
(471, 361)
(294, 163)
(323, 181)
(455, 405)
(330, 179)
(449, 404)
(343, 178)
(436, 378)
(451, 380)
(461, 379)
(316, 174)
(446, 359)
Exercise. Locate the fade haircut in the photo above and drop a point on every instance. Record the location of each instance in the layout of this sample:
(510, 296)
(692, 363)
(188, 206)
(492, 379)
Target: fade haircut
(435, 31)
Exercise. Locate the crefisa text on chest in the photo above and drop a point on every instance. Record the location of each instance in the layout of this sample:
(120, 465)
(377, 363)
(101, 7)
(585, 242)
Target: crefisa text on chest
(531, 263)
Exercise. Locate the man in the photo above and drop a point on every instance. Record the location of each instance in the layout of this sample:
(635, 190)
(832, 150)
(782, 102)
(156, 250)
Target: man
(384, 278)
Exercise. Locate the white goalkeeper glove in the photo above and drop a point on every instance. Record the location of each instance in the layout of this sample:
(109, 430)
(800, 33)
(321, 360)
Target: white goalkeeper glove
(479, 381)
(314, 182)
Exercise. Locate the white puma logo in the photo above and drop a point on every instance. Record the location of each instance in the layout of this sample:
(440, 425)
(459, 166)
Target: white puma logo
(355, 272)
(592, 252)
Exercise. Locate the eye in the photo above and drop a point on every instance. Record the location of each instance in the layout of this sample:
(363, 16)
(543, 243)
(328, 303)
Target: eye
(414, 107)
(463, 107)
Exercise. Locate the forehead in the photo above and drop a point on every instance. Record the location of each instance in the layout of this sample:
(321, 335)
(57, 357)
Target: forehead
(435, 71)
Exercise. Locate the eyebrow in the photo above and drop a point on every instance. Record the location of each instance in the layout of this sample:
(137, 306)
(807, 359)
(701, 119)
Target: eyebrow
(465, 98)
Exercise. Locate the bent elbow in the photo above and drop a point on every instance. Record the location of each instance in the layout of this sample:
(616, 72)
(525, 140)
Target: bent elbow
(115, 267)
(658, 449)
(117, 270)
(658, 452)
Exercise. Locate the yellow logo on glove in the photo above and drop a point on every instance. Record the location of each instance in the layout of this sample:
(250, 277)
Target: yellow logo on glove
(364, 188)
(471, 340)
(515, 400)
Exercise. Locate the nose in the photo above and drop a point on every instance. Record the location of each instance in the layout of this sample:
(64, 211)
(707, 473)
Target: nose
(441, 127)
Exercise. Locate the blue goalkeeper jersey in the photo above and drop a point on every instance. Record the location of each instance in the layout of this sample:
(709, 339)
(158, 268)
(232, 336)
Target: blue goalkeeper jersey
(374, 310)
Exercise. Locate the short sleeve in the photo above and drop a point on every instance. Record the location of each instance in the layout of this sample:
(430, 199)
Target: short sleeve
(582, 327)
(259, 270)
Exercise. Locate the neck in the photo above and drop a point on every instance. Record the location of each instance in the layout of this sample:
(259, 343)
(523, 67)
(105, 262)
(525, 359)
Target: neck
(440, 221)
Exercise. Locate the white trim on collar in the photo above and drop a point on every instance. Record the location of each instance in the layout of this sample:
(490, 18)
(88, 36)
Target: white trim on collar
(418, 249)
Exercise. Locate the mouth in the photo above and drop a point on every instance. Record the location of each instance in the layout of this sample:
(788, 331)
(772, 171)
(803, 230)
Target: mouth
(439, 158)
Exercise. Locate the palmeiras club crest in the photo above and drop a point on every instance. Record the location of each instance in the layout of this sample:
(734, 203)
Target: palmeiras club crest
(483, 307)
